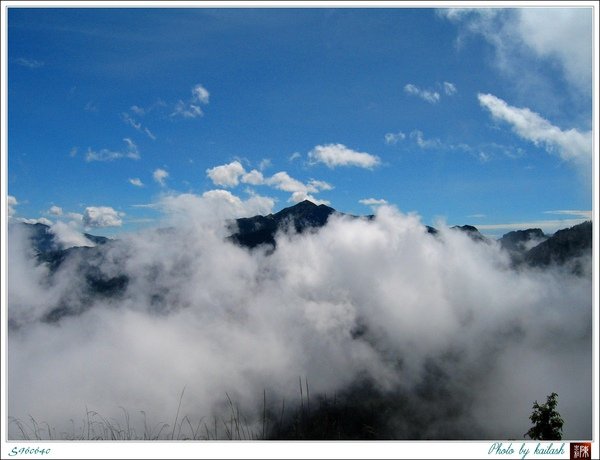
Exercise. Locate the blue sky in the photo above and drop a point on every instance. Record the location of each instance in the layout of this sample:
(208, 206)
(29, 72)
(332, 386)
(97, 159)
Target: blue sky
(469, 116)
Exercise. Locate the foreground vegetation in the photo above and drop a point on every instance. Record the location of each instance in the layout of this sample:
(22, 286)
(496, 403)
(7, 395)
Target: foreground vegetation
(360, 413)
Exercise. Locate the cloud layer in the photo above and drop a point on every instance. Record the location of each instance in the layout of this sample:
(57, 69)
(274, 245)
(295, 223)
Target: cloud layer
(435, 314)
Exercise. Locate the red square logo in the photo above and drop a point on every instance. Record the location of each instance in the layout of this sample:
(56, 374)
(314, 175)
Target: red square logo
(581, 450)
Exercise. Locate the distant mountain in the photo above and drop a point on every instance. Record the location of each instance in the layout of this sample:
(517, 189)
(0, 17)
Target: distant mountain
(259, 230)
(88, 260)
(529, 247)
(44, 241)
(563, 247)
(41, 238)
(518, 242)
(471, 231)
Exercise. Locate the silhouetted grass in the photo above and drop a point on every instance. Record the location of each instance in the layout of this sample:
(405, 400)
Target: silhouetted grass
(360, 412)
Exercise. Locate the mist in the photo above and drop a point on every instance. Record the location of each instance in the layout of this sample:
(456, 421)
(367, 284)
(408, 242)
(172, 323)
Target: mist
(443, 321)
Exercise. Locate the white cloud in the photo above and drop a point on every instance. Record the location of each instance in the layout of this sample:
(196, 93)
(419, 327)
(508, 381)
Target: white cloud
(298, 197)
(372, 202)
(136, 181)
(101, 216)
(40, 220)
(130, 151)
(339, 155)
(295, 156)
(191, 108)
(200, 94)
(570, 145)
(318, 185)
(160, 175)
(12, 203)
(449, 88)
(226, 175)
(283, 181)
(77, 217)
(561, 35)
(427, 95)
(280, 181)
(213, 205)
(68, 235)
(394, 138)
(254, 177)
(55, 210)
(445, 323)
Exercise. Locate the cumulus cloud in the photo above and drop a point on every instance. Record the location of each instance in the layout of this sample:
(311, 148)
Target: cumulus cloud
(334, 155)
(12, 202)
(192, 107)
(160, 176)
(78, 217)
(283, 181)
(226, 175)
(442, 324)
(253, 177)
(570, 145)
(430, 96)
(299, 190)
(101, 216)
(55, 210)
(130, 151)
(212, 206)
(231, 174)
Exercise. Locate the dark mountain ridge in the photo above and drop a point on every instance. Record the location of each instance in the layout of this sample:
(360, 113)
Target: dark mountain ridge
(258, 230)
(527, 248)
